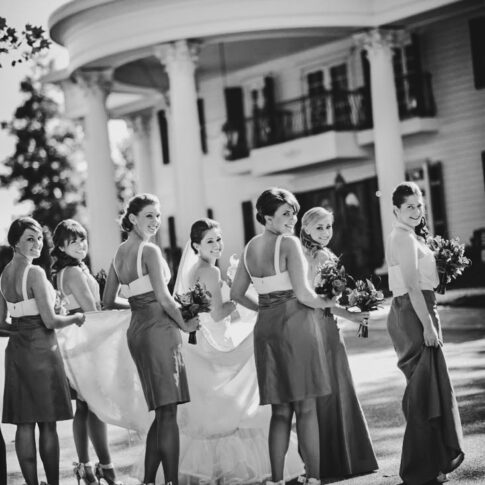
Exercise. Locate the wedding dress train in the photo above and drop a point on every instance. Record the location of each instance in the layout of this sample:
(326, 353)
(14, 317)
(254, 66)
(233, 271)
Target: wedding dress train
(223, 430)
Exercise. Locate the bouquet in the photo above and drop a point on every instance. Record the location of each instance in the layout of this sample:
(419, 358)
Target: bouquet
(231, 270)
(450, 259)
(193, 302)
(331, 279)
(60, 307)
(363, 298)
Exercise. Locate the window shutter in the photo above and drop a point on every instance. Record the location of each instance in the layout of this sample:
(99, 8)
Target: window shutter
(163, 127)
(477, 41)
(203, 132)
(248, 220)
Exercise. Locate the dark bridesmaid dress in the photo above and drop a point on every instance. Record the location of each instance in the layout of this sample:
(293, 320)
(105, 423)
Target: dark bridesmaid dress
(433, 436)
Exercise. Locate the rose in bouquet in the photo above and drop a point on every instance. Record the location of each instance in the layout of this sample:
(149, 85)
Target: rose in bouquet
(450, 259)
(364, 297)
(196, 300)
(331, 279)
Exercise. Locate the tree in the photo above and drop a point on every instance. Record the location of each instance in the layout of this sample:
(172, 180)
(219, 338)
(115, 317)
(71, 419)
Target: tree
(41, 166)
(27, 44)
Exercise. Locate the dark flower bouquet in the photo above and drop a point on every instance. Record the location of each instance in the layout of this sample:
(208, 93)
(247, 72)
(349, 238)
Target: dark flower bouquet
(362, 298)
(450, 259)
(195, 301)
(331, 279)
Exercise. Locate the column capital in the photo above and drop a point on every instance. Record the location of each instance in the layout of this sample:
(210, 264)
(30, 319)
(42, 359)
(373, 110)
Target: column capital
(95, 81)
(380, 40)
(179, 52)
(140, 123)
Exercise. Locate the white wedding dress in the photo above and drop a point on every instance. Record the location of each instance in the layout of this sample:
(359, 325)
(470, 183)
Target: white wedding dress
(223, 430)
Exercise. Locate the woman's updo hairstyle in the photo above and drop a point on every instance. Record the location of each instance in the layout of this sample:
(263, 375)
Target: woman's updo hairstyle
(18, 227)
(198, 230)
(269, 201)
(135, 205)
(403, 191)
(66, 231)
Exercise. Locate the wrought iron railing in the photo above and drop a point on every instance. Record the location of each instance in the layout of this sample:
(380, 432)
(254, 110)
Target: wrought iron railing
(330, 110)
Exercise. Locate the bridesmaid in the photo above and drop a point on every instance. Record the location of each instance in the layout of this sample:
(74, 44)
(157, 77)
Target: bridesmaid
(80, 291)
(36, 389)
(290, 362)
(154, 338)
(432, 444)
(345, 445)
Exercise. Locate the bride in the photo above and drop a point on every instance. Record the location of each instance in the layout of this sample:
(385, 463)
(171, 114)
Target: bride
(223, 427)
(223, 430)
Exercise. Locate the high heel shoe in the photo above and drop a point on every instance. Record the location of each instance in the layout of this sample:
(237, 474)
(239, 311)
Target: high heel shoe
(442, 477)
(100, 475)
(85, 471)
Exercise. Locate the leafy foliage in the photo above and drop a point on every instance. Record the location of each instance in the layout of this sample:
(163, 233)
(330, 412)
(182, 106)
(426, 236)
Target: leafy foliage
(40, 167)
(26, 44)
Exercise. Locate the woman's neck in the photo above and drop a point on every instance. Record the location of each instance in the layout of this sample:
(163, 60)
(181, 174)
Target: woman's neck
(405, 227)
(136, 237)
(20, 258)
(207, 261)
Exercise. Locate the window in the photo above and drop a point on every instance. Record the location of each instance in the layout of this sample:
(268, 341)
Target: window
(407, 70)
(327, 90)
(477, 41)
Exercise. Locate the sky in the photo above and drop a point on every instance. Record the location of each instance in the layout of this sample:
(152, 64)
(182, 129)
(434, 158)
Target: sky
(18, 13)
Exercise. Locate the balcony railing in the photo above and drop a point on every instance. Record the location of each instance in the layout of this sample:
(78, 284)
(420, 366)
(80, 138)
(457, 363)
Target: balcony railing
(330, 110)
(415, 96)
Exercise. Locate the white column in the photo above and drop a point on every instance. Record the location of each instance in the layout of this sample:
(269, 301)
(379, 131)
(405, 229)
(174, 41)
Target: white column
(140, 125)
(389, 153)
(179, 59)
(102, 201)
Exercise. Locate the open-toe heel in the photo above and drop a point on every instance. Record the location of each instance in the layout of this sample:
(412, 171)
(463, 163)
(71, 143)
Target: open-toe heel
(85, 472)
(109, 478)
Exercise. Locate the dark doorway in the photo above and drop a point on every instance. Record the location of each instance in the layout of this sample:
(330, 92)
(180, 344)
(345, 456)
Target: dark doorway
(357, 235)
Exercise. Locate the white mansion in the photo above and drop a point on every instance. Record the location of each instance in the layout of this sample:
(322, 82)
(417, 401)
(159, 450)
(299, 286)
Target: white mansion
(336, 100)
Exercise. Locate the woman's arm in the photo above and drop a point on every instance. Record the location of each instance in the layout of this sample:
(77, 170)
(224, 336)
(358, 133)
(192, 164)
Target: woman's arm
(75, 282)
(45, 303)
(111, 301)
(297, 269)
(153, 260)
(240, 286)
(406, 252)
(5, 329)
(356, 317)
(211, 278)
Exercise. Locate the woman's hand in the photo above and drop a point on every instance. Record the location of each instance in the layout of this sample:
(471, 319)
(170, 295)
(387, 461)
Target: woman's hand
(357, 317)
(431, 338)
(191, 325)
(7, 330)
(329, 302)
(80, 318)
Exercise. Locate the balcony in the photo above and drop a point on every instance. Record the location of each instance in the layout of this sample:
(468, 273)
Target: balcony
(330, 111)
(416, 108)
(297, 118)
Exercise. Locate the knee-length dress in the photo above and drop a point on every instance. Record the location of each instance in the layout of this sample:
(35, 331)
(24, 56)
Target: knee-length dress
(433, 435)
(290, 359)
(36, 388)
(155, 343)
